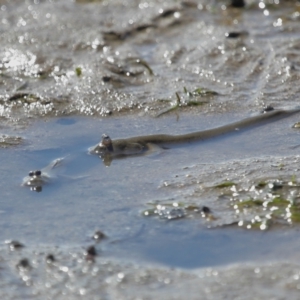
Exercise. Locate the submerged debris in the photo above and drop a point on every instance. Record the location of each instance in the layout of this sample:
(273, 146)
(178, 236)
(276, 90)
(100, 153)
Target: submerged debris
(178, 210)
(170, 213)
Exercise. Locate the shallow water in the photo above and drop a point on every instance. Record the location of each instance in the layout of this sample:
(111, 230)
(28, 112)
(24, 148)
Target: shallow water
(85, 194)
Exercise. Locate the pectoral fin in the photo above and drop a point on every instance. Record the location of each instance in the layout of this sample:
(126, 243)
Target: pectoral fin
(153, 149)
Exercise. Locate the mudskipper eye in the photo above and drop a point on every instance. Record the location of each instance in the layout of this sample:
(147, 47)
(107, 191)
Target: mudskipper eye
(105, 137)
(37, 173)
(31, 173)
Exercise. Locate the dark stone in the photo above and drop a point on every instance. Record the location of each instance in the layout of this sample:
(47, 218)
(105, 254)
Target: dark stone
(23, 264)
(106, 78)
(50, 258)
(205, 210)
(91, 251)
(99, 235)
(238, 3)
(268, 108)
(232, 35)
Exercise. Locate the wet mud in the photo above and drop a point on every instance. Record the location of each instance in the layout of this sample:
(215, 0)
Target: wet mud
(58, 275)
(91, 58)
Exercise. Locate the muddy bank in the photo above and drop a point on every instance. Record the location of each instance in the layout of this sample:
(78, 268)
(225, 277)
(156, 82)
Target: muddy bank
(106, 57)
(65, 274)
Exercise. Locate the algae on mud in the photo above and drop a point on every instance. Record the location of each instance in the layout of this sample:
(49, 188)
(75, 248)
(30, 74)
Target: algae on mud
(45, 46)
(275, 202)
(259, 206)
(7, 141)
(183, 103)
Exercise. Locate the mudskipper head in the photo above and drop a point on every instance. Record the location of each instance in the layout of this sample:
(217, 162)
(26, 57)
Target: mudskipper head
(106, 143)
(34, 180)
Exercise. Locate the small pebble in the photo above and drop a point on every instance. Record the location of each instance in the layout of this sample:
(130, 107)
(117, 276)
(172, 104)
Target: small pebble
(23, 264)
(205, 210)
(91, 253)
(268, 108)
(50, 258)
(232, 35)
(99, 235)
(106, 78)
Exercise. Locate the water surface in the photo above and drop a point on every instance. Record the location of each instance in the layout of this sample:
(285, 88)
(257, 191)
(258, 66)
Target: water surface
(86, 195)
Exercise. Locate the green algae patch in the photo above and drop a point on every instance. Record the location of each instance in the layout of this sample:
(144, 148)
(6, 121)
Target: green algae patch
(204, 92)
(294, 212)
(225, 184)
(250, 203)
(196, 103)
(265, 204)
(279, 202)
(78, 71)
(189, 99)
(261, 184)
